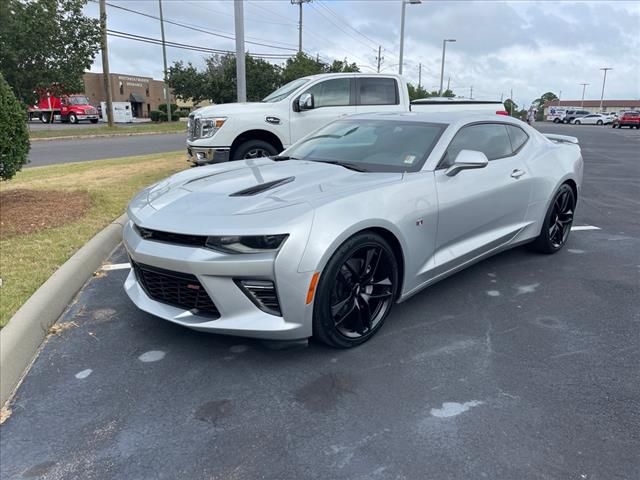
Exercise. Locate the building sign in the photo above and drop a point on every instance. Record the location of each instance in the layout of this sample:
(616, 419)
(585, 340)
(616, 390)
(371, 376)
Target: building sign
(133, 81)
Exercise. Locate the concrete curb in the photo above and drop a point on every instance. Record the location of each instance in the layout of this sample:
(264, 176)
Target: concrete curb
(23, 335)
(102, 135)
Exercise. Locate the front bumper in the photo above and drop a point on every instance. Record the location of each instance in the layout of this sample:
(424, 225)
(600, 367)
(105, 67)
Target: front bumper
(217, 273)
(87, 117)
(205, 155)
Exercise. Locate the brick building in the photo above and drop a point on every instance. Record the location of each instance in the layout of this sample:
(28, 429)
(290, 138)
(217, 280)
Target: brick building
(144, 93)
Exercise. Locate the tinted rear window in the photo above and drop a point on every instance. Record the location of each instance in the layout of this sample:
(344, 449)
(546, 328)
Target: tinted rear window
(517, 136)
(377, 91)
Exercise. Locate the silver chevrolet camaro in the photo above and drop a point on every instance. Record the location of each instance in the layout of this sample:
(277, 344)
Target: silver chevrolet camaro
(323, 239)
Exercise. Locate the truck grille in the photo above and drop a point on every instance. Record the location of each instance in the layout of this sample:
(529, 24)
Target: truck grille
(181, 290)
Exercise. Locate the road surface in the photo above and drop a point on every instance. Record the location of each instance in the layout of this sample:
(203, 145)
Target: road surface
(51, 152)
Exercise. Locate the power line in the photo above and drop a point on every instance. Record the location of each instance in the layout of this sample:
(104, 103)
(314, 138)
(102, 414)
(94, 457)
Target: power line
(340, 28)
(194, 27)
(184, 46)
(226, 14)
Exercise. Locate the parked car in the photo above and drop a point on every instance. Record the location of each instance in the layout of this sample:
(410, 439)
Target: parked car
(323, 239)
(627, 119)
(219, 133)
(571, 115)
(593, 119)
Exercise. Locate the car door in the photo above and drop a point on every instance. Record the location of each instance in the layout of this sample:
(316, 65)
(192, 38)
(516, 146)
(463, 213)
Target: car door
(588, 119)
(481, 209)
(333, 98)
(377, 94)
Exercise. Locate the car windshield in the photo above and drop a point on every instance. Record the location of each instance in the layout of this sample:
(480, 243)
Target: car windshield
(78, 100)
(285, 90)
(370, 145)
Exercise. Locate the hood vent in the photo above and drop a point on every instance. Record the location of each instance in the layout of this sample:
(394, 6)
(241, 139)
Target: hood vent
(262, 187)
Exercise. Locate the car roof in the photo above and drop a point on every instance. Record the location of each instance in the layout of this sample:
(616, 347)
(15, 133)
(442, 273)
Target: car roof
(449, 118)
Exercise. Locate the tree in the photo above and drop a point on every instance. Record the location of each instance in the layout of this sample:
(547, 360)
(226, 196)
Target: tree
(187, 82)
(342, 66)
(44, 42)
(300, 66)
(538, 104)
(511, 107)
(417, 92)
(14, 135)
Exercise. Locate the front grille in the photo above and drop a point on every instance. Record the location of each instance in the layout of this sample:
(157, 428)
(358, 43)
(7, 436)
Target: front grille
(263, 294)
(181, 290)
(173, 238)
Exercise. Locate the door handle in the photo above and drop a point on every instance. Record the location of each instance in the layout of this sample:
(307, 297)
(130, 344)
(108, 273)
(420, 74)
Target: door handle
(517, 173)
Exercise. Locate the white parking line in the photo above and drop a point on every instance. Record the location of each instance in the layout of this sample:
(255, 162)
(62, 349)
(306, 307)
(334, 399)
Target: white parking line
(583, 227)
(116, 266)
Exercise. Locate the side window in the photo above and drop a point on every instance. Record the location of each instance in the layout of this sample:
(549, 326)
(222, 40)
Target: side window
(517, 136)
(332, 93)
(489, 138)
(377, 91)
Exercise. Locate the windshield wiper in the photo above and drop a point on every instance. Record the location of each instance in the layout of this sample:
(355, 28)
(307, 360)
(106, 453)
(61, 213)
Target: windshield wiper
(282, 158)
(350, 166)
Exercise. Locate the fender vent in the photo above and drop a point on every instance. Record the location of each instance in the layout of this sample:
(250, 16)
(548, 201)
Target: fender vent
(262, 187)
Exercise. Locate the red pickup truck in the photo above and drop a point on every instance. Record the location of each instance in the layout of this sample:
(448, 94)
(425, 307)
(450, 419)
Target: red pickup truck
(627, 119)
(70, 108)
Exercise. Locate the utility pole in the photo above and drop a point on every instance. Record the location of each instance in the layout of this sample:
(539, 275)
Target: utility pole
(604, 80)
(241, 77)
(106, 78)
(511, 104)
(419, 75)
(448, 83)
(379, 57)
(299, 3)
(584, 86)
(164, 58)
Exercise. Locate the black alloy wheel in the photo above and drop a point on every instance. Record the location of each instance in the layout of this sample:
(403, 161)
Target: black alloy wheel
(252, 149)
(356, 292)
(558, 221)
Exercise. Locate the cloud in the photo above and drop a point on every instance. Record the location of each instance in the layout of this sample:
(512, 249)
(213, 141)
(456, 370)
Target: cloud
(530, 47)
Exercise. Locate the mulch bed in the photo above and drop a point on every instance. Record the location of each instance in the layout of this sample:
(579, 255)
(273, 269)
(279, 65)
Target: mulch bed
(28, 211)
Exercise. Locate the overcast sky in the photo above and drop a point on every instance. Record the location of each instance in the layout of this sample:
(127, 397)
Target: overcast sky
(529, 46)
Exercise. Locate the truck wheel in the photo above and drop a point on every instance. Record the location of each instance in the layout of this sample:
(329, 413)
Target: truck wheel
(556, 120)
(254, 149)
(73, 118)
(45, 117)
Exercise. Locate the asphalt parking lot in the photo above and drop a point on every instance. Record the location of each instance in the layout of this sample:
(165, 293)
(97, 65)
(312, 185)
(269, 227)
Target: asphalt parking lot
(521, 367)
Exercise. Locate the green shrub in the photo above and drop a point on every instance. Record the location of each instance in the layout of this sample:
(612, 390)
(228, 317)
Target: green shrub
(163, 108)
(155, 115)
(14, 134)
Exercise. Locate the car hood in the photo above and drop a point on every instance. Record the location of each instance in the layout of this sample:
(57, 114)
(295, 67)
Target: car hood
(246, 188)
(226, 109)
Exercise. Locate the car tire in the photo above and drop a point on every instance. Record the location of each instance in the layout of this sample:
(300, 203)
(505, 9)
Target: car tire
(362, 268)
(578, 122)
(599, 122)
(556, 120)
(254, 149)
(73, 118)
(565, 121)
(556, 226)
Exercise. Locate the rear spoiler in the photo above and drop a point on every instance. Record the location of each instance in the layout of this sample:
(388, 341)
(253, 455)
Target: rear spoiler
(561, 138)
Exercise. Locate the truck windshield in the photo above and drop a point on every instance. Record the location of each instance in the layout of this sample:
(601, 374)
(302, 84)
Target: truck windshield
(370, 145)
(285, 90)
(78, 100)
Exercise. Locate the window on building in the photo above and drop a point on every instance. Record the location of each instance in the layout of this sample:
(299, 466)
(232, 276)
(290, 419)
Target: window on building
(121, 88)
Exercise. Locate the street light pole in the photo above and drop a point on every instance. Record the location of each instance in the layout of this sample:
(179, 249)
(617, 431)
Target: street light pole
(604, 80)
(404, 4)
(444, 49)
(584, 86)
(241, 78)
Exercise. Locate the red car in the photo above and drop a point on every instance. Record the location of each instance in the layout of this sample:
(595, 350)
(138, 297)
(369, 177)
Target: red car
(627, 119)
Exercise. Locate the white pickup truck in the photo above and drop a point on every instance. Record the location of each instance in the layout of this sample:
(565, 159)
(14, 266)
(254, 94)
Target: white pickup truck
(234, 131)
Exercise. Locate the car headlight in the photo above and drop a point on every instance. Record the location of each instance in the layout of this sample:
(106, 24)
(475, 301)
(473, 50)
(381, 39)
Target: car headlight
(246, 244)
(210, 126)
